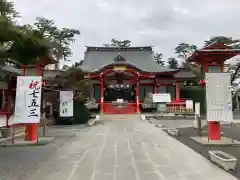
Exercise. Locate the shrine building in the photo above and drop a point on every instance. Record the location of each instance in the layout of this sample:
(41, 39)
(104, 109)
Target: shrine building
(128, 74)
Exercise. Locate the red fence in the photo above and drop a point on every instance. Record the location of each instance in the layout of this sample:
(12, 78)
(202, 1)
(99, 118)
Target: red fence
(131, 108)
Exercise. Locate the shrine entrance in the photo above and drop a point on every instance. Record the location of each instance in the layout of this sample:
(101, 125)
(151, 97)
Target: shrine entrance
(120, 91)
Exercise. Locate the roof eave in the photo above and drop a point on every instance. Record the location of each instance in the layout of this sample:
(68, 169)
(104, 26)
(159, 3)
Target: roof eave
(138, 48)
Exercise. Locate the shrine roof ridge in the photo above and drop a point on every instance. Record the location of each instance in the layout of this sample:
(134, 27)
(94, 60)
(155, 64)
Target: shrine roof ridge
(131, 48)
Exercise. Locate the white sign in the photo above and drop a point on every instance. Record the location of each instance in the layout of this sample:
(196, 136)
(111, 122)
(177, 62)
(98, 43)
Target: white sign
(197, 113)
(66, 103)
(28, 100)
(161, 98)
(189, 104)
(219, 97)
(197, 108)
(120, 101)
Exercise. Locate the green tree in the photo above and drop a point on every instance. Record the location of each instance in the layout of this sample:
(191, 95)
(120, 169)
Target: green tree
(72, 79)
(158, 58)
(19, 45)
(172, 63)
(8, 10)
(184, 50)
(29, 47)
(27, 43)
(118, 43)
(221, 39)
(60, 39)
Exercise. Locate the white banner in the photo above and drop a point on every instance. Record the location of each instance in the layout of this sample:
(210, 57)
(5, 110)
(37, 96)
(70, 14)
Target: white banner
(219, 97)
(161, 98)
(28, 100)
(189, 104)
(66, 104)
(197, 108)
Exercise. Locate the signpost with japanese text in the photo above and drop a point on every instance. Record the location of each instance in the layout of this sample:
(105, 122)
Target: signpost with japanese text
(28, 100)
(66, 103)
(219, 97)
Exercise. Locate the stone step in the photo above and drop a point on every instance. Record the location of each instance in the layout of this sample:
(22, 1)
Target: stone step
(120, 117)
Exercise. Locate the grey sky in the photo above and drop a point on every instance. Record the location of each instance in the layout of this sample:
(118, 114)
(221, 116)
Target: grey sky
(162, 23)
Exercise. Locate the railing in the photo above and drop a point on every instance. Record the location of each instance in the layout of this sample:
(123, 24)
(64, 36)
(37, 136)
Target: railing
(173, 107)
(131, 108)
(179, 108)
(128, 108)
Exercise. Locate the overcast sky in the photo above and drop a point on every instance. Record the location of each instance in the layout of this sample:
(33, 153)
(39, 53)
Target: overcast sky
(161, 23)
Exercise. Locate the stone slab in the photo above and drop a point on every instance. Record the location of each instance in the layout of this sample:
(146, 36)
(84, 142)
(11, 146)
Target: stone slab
(225, 141)
(20, 142)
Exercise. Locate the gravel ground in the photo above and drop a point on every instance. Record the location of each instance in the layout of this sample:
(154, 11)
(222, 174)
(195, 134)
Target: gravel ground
(229, 131)
(16, 161)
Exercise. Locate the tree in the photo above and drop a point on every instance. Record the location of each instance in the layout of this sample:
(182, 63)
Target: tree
(27, 43)
(7, 10)
(184, 50)
(172, 63)
(60, 39)
(221, 39)
(29, 47)
(72, 79)
(118, 43)
(18, 45)
(158, 59)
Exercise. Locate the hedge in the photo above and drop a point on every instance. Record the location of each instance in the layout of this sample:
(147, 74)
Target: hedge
(80, 115)
(196, 93)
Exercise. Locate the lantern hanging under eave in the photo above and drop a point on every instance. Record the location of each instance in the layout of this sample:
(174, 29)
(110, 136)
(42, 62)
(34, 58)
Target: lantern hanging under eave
(202, 82)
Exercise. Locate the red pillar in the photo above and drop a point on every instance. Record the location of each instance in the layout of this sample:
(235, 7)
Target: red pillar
(177, 91)
(137, 94)
(214, 130)
(102, 93)
(31, 131)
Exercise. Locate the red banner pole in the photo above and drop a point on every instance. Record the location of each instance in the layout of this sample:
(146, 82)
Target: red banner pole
(31, 132)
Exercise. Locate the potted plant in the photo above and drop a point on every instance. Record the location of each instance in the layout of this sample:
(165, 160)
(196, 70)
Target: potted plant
(223, 159)
(173, 131)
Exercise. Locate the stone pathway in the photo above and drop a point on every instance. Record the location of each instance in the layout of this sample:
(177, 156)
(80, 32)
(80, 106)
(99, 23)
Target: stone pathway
(126, 150)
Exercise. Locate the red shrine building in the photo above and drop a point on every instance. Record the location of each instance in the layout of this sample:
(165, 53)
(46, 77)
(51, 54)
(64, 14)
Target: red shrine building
(211, 59)
(129, 74)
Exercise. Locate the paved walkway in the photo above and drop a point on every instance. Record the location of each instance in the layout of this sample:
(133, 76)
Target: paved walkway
(126, 150)
(15, 161)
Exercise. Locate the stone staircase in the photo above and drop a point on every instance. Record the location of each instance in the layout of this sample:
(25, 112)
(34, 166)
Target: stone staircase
(120, 117)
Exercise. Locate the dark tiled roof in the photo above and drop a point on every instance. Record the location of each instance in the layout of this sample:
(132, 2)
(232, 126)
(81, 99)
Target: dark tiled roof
(139, 57)
(10, 69)
(185, 73)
